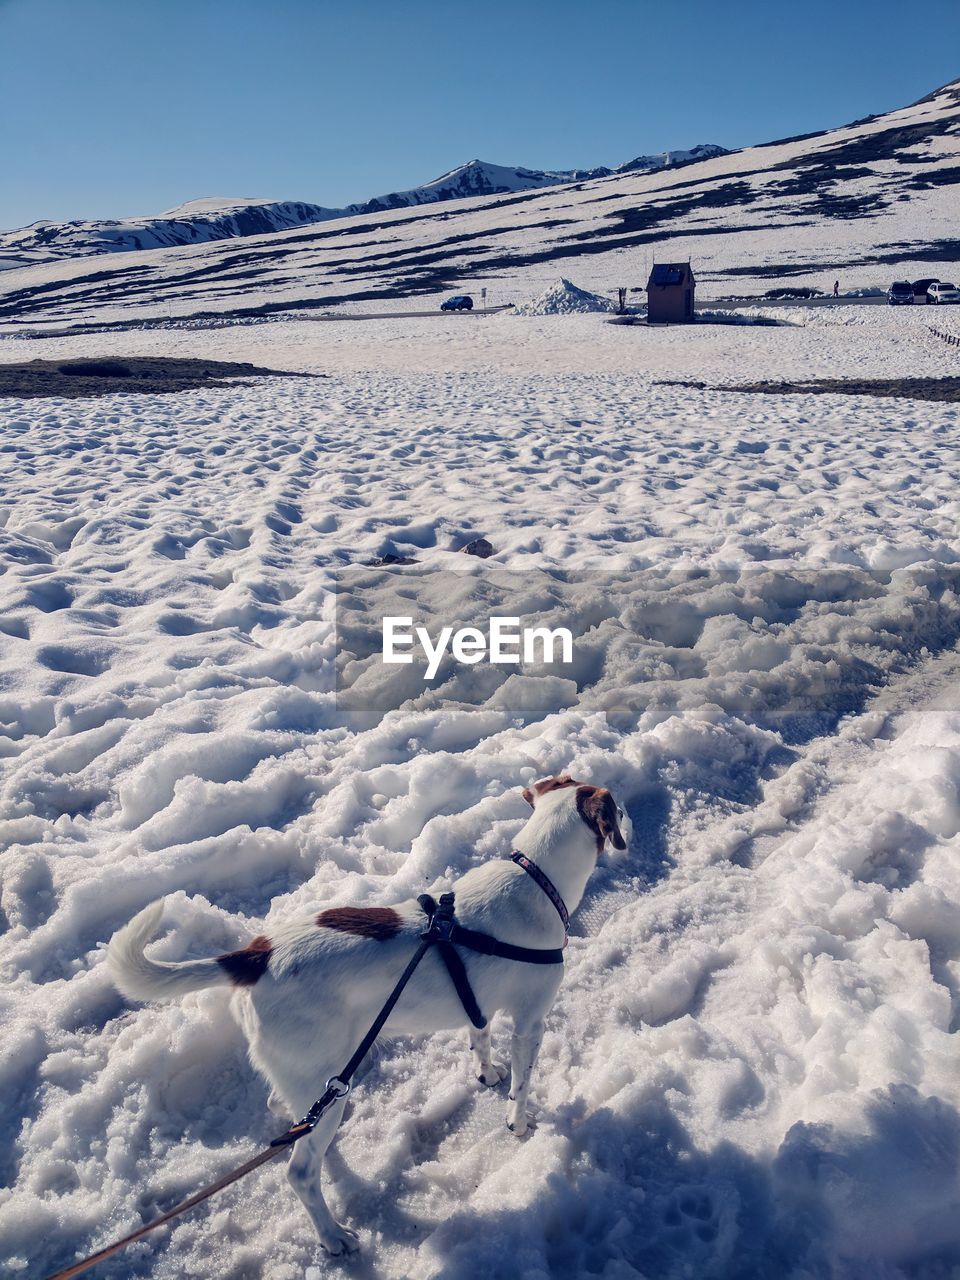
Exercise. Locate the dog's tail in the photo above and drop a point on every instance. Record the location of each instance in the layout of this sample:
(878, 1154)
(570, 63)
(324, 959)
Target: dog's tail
(140, 978)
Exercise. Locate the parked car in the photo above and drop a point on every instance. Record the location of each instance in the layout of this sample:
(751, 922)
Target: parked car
(459, 302)
(920, 288)
(943, 291)
(900, 293)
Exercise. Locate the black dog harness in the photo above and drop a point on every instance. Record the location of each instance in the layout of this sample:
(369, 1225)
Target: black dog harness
(446, 935)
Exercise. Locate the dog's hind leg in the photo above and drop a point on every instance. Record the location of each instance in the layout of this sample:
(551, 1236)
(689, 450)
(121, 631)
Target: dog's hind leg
(303, 1173)
(488, 1072)
(524, 1049)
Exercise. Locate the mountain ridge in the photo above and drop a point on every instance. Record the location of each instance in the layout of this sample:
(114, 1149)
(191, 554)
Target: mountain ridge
(224, 218)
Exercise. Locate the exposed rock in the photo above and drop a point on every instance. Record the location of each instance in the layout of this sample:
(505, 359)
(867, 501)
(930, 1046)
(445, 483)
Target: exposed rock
(478, 547)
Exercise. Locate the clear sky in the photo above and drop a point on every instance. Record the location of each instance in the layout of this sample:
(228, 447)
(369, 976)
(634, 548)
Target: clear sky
(118, 107)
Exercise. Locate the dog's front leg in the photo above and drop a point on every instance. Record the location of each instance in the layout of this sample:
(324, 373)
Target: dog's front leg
(303, 1174)
(524, 1047)
(488, 1072)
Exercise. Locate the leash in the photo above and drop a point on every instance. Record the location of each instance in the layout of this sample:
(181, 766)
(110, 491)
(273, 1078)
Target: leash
(442, 932)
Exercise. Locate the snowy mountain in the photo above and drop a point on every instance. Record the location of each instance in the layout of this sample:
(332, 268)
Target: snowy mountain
(478, 178)
(671, 159)
(200, 221)
(864, 203)
(196, 222)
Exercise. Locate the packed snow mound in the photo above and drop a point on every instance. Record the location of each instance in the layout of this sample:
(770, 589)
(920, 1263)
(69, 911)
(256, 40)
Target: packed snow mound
(564, 298)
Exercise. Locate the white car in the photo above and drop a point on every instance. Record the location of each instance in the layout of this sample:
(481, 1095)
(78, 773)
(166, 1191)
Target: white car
(943, 292)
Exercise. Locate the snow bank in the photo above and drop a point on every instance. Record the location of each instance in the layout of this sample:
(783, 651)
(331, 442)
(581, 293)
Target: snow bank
(564, 298)
(747, 316)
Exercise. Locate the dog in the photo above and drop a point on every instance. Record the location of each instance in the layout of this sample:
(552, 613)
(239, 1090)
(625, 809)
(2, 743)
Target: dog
(307, 994)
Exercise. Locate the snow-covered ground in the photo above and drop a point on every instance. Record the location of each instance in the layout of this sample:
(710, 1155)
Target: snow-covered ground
(753, 1067)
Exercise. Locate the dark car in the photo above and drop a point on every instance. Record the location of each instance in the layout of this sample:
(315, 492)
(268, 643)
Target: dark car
(459, 302)
(900, 292)
(920, 288)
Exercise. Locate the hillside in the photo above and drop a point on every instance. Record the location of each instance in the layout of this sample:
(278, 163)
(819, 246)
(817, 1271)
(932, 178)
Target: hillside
(864, 201)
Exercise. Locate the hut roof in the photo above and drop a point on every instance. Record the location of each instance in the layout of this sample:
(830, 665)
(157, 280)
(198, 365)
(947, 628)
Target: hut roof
(666, 273)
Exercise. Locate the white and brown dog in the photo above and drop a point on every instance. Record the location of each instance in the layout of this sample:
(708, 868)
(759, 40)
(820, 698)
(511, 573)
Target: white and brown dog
(308, 993)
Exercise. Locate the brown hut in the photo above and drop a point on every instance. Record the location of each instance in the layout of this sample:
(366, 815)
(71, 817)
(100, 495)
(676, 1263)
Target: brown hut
(670, 293)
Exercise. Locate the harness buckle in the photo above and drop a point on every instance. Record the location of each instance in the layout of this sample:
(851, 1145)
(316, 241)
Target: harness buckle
(441, 928)
(442, 921)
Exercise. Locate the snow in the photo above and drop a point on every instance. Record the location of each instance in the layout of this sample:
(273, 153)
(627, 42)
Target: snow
(214, 205)
(479, 177)
(564, 298)
(752, 1067)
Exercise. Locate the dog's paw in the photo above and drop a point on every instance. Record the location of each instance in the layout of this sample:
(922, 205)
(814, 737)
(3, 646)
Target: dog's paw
(340, 1241)
(519, 1122)
(493, 1075)
(521, 1126)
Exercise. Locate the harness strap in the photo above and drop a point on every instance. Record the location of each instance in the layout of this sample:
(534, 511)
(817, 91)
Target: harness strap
(446, 935)
(440, 933)
(488, 946)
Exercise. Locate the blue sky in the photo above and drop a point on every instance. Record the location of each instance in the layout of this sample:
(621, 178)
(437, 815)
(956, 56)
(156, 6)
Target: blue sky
(115, 107)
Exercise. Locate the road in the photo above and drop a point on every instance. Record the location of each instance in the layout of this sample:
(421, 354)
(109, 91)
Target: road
(409, 315)
(704, 304)
(829, 301)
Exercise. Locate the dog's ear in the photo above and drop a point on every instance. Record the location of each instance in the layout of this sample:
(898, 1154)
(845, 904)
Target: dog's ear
(599, 811)
(528, 796)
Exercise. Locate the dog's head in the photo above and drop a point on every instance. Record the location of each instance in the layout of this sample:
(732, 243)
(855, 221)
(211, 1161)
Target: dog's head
(595, 806)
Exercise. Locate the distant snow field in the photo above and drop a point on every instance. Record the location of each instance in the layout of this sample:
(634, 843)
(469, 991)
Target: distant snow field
(752, 1069)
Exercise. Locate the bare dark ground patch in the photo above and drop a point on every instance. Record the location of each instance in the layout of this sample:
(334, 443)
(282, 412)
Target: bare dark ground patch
(946, 390)
(153, 375)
